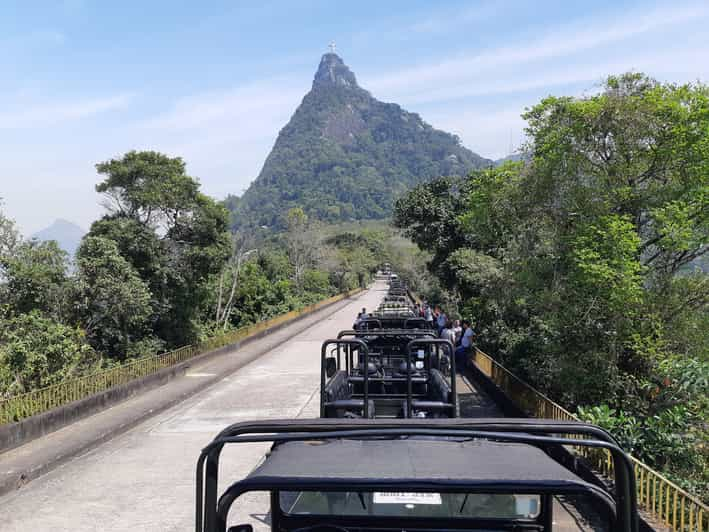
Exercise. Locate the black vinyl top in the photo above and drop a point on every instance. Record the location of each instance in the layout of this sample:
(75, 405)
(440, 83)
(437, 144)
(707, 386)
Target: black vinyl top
(478, 455)
(471, 462)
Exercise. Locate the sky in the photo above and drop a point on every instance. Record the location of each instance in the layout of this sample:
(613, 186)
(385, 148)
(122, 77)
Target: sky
(82, 81)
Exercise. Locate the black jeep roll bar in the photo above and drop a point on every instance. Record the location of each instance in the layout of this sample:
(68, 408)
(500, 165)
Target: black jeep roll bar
(387, 332)
(365, 324)
(419, 320)
(362, 350)
(447, 345)
(210, 512)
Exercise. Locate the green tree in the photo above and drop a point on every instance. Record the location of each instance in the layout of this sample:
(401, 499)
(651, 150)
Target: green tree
(576, 266)
(35, 278)
(148, 186)
(9, 235)
(229, 277)
(642, 148)
(259, 297)
(139, 244)
(36, 351)
(113, 303)
(300, 242)
(317, 285)
(174, 236)
(353, 256)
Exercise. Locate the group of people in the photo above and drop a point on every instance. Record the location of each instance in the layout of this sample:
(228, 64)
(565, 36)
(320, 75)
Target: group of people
(459, 333)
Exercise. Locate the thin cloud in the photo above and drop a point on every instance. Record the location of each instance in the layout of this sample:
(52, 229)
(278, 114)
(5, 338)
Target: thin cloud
(243, 107)
(224, 132)
(581, 37)
(437, 19)
(489, 131)
(455, 19)
(33, 39)
(56, 113)
(672, 62)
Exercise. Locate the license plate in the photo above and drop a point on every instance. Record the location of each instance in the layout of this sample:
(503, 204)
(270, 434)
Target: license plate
(407, 498)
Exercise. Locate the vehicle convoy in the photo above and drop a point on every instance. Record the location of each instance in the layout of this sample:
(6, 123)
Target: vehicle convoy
(391, 366)
(390, 452)
(382, 475)
(388, 373)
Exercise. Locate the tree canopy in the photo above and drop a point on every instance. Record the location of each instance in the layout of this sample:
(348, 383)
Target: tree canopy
(173, 235)
(346, 156)
(159, 270)
(576, 267)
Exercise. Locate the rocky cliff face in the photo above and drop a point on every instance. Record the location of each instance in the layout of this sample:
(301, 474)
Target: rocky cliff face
(345, 155)
(333, 71)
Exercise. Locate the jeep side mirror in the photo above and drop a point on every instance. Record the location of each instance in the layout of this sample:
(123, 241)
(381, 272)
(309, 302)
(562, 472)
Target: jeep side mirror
(241, 528)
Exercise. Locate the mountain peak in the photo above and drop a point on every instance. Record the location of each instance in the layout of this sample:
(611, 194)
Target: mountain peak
(344, 155)
(67, 234)
(333, 71)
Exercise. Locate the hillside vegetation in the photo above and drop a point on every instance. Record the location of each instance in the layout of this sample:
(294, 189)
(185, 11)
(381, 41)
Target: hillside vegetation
(160, 270)
(345, 155)
(576, 267)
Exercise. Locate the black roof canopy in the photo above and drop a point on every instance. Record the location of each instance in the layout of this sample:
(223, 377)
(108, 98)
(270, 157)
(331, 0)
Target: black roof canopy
(408, 460)
(445, 456)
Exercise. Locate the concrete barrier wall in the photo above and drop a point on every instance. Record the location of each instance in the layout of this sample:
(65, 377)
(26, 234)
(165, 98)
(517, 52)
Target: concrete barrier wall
(13, 435)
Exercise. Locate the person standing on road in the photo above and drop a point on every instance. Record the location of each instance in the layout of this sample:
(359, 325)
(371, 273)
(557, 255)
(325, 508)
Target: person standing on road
(447, 333)
(458, 330)
(466, 345)
(441, 321)
(428, 315)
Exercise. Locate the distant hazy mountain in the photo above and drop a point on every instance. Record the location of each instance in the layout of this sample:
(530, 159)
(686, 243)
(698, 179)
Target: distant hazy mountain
(515, 157)
(67, 234)
(346, 155)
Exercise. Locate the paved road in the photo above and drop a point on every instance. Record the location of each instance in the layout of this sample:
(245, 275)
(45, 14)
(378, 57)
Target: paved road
(143, 480)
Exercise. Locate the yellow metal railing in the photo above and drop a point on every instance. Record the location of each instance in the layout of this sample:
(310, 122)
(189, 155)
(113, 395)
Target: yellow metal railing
(661, 499)
(37, 401)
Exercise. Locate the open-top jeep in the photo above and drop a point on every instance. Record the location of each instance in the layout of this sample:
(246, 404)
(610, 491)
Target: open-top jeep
(394, 374)
(394, 475)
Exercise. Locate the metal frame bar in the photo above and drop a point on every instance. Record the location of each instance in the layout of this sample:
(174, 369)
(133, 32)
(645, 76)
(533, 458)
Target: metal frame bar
(362, 349)
(409, 351)
(387, 332)
(499, 430)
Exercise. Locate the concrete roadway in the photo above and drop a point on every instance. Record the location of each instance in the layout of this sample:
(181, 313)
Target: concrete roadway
(144, 479)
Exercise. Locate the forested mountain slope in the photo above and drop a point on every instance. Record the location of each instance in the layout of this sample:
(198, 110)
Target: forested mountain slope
(345, 155)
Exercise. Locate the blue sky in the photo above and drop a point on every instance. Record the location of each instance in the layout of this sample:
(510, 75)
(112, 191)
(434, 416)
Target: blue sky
(213, 82)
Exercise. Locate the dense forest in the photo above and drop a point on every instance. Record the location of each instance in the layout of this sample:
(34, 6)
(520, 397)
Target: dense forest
(160, 270)
(579, 266)
(345, 155)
